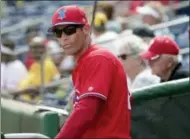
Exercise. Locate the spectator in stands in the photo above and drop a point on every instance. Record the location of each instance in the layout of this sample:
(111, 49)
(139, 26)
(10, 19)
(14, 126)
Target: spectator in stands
(12, 69)
(145, 33)
(138, 74)
(163, 59)
(29, 59)
(152, 13)
(112, 24)
(102, 37)
(135, 3)
(38, 49)
(54, 50)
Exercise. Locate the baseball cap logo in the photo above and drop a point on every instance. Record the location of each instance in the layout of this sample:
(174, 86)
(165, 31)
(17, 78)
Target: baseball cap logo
(61, 14)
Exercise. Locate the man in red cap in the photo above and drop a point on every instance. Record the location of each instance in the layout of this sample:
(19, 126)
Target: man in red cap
(163, 59)
(102, 100)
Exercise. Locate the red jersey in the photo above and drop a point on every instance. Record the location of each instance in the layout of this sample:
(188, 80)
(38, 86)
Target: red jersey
(100, 74)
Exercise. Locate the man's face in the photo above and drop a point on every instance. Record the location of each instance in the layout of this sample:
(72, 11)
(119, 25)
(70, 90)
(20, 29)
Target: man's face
(128, 60)
(37, 51)
(158, 66)
(150, 20)
(71, 37)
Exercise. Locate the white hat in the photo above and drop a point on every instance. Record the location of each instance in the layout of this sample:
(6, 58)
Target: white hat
(147, 10)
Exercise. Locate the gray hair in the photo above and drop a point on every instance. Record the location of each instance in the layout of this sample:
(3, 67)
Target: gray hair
(174, 58)
(132, 44)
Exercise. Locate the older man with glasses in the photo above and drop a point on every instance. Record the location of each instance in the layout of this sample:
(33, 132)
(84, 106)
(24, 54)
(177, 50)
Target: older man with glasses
(138, 74)
(163, 59)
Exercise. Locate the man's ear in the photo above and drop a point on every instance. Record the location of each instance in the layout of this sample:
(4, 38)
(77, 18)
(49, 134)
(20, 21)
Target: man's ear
(86, 29)
(169, 65)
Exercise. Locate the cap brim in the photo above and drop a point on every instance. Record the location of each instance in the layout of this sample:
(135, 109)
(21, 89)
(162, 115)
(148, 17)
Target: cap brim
(148, 55)
(62, 23)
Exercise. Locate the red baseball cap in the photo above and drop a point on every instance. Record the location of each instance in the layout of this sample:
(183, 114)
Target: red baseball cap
(70, 14)
(161, 45)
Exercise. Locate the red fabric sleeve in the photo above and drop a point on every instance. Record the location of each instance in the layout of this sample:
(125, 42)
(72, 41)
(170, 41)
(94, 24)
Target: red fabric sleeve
(79, 120)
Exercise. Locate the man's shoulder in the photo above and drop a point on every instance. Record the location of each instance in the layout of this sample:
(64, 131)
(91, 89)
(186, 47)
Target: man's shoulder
(99, 52)
(99, 56)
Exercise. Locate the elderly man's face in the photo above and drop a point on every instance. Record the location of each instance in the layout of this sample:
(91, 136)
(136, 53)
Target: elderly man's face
(129, 60)
(159, 66)
(71, 37)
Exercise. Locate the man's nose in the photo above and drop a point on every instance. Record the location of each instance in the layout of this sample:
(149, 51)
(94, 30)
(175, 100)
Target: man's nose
(64, 36)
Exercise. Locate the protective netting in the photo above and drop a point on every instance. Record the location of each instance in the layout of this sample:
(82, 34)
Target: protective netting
(162, 118)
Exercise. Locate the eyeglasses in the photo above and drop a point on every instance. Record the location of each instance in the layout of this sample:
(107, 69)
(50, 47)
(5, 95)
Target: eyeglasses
(68, 30)
(122, 56)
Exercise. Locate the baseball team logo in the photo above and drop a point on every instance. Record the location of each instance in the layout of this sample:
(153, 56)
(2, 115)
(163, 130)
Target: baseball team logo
(62, 14)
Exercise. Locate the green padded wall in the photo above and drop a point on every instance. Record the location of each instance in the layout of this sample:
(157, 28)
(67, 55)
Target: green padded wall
(18, 117)
(162, 111)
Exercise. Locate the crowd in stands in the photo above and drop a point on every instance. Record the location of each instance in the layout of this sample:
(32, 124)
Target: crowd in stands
(149, 56)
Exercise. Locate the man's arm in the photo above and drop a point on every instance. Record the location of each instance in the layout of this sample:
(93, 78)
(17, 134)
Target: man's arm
(79, 120)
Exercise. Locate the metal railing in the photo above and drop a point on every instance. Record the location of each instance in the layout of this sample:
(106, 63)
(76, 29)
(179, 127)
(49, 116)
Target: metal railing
(24, 24)
(167, 24)
(177, 6)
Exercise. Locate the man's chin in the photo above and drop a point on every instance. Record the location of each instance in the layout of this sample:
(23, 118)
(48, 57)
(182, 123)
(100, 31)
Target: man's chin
(69, 53)
(157, 74)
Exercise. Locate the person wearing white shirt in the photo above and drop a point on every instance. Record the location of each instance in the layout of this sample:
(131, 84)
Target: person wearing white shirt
(13, 70)
(138, 73)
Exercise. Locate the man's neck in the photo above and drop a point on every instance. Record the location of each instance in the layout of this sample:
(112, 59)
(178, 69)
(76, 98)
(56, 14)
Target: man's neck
(83, 49)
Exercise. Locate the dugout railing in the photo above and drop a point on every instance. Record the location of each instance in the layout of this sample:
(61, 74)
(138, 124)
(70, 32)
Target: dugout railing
(159, 111)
